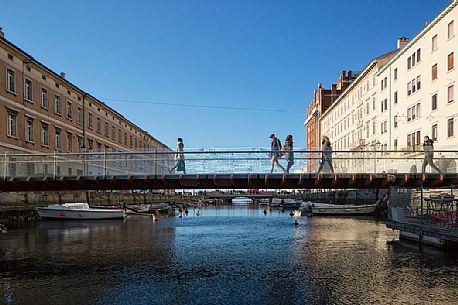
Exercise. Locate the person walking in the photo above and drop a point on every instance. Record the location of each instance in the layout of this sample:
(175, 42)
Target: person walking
(288, 151)
(428, 149)
(179, 158)
(275, 147)
(326, 154)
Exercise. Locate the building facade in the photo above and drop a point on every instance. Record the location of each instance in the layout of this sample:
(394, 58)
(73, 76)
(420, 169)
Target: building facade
(42, 112)
(421, 93)
(398, 99)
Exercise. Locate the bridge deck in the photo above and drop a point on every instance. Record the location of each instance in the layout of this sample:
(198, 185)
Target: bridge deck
(228, 181)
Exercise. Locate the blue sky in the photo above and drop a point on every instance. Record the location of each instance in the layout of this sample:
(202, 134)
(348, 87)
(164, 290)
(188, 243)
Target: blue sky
(266, 55)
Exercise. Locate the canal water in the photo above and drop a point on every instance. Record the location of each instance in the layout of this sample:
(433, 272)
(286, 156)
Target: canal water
(227, 255)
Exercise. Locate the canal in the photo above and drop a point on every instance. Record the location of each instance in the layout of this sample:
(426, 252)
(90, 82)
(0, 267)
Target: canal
(225, 255)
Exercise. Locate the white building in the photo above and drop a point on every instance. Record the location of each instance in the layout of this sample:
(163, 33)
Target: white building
(398, 99)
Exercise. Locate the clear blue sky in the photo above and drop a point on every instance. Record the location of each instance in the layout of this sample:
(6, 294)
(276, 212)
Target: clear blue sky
(243, 54)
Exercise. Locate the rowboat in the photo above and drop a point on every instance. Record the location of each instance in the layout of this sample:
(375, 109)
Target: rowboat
(78, 211)
(318, 208)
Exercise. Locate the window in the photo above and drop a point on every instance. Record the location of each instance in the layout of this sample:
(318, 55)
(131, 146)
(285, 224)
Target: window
(434, 72)
(99, 125)
(409, 140)
(434, 43)
(29, 129)
(119, 135)
(450, 30)
(125, 138)
(44, 98)
(113, 132)
(413, 59)
(395, 97)
(409, 65)
(89, 120)
(373, 103)
(434, 132)
(44, 134)
(99, 147)
(12, 123)
(386, 104)
(106, 129)
(418, 137)
(450, 62)
(396, 74)
(409, 114)
(57, 105)
(69, 110)
(409, 88)
(413, 112)
(69, 142)
(28, 95)
(418, 110)
(418, 82)
(450, 94)
(450, 127)
(395, 144)
(395, 120)
(386, 81)
(434, 101)
(418, 55)
(58, 138)
(413, 86)
(10, 81)
(90, 143)
(79, 115)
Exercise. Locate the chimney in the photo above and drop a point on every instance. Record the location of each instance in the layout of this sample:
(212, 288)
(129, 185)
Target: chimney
(62, 75)
(402, 42)
(2, 35)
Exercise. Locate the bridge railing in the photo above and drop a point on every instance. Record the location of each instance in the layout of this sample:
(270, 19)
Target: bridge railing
(208, 161)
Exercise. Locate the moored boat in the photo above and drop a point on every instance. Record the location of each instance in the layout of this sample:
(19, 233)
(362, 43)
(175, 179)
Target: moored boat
(78, 211)
(318, 208)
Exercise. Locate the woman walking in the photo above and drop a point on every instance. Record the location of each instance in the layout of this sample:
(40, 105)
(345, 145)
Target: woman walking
(288, 151)
(179, 158)
(326, 155)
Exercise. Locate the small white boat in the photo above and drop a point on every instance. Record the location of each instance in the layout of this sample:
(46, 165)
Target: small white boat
(318, 208)
(78, 211)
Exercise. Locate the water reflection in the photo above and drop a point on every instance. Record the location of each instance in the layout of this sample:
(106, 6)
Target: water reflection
(225, 255)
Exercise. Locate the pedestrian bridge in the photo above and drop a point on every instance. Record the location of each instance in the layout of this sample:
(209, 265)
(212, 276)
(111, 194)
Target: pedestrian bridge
(222, 169)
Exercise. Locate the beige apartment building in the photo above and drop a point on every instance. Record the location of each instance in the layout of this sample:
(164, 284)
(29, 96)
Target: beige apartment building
(398, 99)
(42, 112)
(351, 121)
(420, 90)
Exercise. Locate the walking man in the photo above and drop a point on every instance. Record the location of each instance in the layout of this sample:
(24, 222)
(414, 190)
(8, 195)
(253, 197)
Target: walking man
(179, 158)
(428, 149)
(275, 147)
(326, 154)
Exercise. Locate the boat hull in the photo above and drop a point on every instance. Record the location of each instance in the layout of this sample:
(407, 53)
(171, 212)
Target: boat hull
(339, 210)
(59, 214)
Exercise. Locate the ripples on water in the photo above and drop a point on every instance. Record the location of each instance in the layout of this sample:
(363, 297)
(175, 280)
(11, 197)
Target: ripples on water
(226, 256)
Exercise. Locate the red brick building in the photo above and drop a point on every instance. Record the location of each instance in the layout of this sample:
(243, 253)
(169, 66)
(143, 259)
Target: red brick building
(322, 99)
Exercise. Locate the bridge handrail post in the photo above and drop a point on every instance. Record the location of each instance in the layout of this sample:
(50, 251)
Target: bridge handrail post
(54, 164)
(104, 163)
(421, 203)
(5, 166)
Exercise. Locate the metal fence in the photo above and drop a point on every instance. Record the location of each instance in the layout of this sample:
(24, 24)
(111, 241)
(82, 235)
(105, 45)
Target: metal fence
(216, 161)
